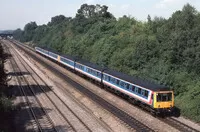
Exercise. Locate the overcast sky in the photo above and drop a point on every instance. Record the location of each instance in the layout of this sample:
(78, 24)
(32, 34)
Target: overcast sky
(16, 13)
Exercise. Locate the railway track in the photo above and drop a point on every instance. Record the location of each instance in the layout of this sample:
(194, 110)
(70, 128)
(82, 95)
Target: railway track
(120, 114)
(57, 102)
(43, 123)
(179, 125)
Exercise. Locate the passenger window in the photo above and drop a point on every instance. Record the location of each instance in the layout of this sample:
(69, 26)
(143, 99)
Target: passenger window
(117, 82)
(133, 88)
(108, 78)
(139, 90)
(127, 86)
(122, 84)
(130, 87)
(112, 80)
(136, 89)
(146, 93)
(142, 92)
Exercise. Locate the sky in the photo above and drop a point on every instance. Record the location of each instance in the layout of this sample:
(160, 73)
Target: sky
(16, 13)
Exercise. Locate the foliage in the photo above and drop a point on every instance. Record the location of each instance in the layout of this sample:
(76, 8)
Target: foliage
(166, 51)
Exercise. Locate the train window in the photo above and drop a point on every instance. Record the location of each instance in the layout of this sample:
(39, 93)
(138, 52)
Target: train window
(142, 92)
(104, 76)
(136, 89)
(108, 78)
(164, 97)
(159, 97)
(92, 72)
(146, 93)
(130, 87)
(133, 88)
(122, 83)
(117, 82)
(81, 67)
(127, 86)
(100, 74)
(139, 90)
(112, 80)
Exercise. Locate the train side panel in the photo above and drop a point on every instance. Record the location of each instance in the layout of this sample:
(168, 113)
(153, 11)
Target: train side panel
(88, 71)
(67, 62)
(136, 92)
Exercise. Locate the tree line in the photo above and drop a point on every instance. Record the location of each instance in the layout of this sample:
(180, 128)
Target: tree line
(166, 51)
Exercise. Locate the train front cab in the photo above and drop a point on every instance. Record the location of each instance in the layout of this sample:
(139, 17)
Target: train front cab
(163, 101)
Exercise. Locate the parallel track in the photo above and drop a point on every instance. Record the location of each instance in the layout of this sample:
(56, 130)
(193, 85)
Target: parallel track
(29, 69)
(43, 123)
(123, 116)
(179, 125)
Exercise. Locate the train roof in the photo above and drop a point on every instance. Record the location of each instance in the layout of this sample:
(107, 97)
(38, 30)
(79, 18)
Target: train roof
(137, 81)
(69, 57)
(51, 50)
(62, 55)
(89, 64)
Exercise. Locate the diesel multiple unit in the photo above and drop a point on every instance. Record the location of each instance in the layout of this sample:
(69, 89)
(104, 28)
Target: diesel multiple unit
(157, 97)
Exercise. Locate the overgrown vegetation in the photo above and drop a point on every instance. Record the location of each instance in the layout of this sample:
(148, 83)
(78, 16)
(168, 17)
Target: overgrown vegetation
(166, 51)
(6, 113)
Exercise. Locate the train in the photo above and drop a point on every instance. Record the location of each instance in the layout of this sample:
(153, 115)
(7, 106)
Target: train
(157, 98)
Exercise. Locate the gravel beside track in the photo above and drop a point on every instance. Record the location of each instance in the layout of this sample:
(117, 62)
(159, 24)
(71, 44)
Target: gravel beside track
(43, 123)
(179, 125)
